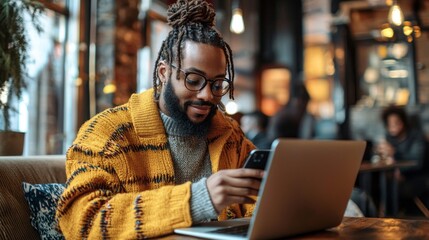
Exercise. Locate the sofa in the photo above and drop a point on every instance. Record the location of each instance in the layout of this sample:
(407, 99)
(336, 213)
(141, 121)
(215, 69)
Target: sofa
(14, 209)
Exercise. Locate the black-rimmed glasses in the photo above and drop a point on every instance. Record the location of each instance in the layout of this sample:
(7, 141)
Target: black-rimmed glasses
(196, 82)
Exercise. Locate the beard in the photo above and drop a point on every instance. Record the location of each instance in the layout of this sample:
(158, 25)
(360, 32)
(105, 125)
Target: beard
(178, 113)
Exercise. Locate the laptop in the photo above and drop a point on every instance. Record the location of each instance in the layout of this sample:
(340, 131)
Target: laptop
(306, 188)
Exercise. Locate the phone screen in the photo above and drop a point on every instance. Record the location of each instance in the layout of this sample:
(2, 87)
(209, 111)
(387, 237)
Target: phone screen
(257, 159)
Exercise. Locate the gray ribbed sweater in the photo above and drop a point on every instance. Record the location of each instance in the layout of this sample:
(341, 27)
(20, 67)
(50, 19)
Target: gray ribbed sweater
(191, 163)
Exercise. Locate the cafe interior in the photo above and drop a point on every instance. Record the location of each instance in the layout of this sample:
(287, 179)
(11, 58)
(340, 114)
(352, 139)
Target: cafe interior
(354, 58)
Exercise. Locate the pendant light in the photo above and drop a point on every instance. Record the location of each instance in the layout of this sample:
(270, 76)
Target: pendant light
(237, 23)
(396, 28)
(396, 16)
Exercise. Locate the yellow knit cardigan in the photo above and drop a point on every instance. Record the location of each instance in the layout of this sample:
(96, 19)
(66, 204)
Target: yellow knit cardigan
(121, 182)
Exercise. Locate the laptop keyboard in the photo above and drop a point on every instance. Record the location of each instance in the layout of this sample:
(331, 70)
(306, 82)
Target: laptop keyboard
(240, 230)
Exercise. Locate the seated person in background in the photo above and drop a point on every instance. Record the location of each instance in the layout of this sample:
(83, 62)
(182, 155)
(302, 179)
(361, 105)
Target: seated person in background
(167, 158)
(403, 143)
(293, 120)
(254, 126)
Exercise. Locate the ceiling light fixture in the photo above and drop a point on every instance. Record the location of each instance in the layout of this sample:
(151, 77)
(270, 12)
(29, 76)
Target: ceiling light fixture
(396, 28)
(395, 17)
(237, 23)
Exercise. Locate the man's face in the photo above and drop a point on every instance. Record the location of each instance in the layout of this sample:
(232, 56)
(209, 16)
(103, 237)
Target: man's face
(247, 123)
(190, 107)
(395, 126)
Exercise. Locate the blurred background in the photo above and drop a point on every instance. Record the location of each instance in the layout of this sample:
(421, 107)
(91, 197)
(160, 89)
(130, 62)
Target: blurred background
(339, 61)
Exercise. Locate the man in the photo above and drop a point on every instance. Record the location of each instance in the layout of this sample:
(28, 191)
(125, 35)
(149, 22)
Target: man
(403, 141)
(254, 125)
(168, 158)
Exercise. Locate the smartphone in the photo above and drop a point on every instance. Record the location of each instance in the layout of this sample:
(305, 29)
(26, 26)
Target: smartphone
(257, 159)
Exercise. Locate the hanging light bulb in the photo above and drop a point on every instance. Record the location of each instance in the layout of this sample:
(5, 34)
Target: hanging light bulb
(397, 29)
(396, 16)
(387, 31)
(237, 23)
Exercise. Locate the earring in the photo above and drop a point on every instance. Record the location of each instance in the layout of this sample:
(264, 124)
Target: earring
(158, 88)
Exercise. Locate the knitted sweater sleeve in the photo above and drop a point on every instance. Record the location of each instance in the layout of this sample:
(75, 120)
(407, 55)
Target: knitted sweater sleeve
(234, 154)
(116, 190)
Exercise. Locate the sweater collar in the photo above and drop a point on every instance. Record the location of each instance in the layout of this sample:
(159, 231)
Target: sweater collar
(173, 128)
(145, 114)
(147, 120)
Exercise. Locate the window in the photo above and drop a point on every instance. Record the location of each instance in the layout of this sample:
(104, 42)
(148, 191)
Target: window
(47, 107)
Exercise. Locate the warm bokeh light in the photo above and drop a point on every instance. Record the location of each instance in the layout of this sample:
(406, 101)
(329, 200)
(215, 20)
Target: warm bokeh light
(382, 51)
(396, 16)
(397, 28)
(407, 29)
(318, 89)
(237, 23)
(109, 88)
(399, 73)
(371, 75)
(417, 32)
(402, 96)
(387, 32)
(275, 83)
(399, 50)
(78, 82)
(315, 61)
(231, 108)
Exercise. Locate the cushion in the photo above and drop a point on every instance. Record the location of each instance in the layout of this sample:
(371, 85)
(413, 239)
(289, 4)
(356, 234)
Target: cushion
(42, 200)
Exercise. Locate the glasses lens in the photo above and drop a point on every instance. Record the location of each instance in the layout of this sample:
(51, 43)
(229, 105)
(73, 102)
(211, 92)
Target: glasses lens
(220, 87)
(194, 82)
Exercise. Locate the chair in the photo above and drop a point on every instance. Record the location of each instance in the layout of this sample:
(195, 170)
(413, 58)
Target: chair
(422, 204)
(364, 202)
(422, 207)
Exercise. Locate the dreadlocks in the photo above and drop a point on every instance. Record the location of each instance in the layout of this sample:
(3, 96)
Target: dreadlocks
(190, 20)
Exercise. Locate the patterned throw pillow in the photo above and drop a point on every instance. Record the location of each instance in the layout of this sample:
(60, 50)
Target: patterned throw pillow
(42, 200)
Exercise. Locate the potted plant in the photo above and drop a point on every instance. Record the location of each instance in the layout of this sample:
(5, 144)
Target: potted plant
(13, 60)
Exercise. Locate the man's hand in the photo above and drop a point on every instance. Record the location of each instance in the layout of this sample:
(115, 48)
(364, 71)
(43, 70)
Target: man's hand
(231, 186)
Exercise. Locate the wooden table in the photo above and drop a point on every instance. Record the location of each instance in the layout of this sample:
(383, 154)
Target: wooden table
(384, 169)
(362, 228)
(380, 167)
